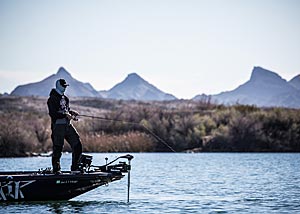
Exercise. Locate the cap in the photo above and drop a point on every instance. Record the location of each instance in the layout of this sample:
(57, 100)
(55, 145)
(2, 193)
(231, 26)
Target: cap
(63, 82)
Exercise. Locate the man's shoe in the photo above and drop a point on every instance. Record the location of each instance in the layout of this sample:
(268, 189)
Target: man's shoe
(75, 168)
(57, 172)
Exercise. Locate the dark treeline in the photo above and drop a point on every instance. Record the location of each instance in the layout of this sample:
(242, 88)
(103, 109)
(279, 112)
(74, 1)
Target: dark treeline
(184, 125)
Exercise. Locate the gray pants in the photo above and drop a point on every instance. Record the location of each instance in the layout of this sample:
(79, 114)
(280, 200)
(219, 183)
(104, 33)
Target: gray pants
(59, 133)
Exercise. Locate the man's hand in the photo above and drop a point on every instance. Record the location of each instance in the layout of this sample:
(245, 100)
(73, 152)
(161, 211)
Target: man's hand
(69, 116)
(74, 113)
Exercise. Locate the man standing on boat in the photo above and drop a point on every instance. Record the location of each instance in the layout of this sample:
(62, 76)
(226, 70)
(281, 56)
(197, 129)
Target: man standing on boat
(61, 116)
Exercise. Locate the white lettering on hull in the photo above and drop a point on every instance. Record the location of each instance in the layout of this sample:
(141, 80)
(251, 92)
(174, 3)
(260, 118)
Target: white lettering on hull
(12, 189)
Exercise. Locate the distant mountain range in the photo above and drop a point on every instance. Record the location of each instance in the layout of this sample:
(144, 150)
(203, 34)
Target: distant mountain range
(132, 88)
(265, 88)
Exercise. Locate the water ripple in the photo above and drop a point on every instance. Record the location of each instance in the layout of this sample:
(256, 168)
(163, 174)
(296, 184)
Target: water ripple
(183, 183)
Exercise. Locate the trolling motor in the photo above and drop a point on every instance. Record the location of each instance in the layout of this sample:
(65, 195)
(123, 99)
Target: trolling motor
(85, 163)
(122, 167)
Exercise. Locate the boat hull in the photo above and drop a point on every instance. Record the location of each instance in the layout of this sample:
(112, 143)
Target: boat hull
(33, 186)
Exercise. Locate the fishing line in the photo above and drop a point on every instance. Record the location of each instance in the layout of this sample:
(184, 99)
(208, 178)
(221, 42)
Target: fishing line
(132, 123)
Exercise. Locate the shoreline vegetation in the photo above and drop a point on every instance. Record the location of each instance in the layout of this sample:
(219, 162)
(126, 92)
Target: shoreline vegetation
(185, 125)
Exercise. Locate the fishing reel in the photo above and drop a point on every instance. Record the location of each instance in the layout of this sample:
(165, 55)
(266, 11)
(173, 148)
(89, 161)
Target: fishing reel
(74, 115)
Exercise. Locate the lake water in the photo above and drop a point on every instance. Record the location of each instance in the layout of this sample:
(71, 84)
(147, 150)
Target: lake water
(181, 183)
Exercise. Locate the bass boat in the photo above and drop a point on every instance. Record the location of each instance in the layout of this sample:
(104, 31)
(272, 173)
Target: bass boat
(44, 185)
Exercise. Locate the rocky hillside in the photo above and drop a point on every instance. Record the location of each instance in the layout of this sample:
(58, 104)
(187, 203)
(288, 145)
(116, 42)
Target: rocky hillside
(265, 88)
(134, 87)
(42, 88)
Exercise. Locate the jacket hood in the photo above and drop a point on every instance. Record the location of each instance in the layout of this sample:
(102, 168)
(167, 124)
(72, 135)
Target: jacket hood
(53, 92)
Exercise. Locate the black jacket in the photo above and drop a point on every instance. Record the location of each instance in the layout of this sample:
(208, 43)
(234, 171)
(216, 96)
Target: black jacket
(58, 105)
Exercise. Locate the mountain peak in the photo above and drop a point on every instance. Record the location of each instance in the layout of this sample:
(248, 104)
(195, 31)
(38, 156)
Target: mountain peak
(135, 75)
(134, 78)
(134, 87)
(259, 73)
(296, 78)
(295, 82)
(62, 72)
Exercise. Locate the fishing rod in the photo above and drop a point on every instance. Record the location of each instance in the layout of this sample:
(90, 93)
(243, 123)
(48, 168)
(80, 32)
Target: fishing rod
(132, 123)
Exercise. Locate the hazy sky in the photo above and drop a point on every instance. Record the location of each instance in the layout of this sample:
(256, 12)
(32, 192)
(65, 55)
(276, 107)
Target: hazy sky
(184, 47)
